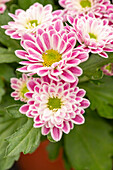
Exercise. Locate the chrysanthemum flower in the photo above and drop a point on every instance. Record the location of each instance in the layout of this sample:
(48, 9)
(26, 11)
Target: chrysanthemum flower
(52, 53)
(108, 14)
(108, 69)
(29, 20)
(3, 6)
(94, 34)
(55, 106)
(75, 7)
(20, 87)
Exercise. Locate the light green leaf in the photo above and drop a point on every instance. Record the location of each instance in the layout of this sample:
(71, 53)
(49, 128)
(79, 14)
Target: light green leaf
(101, 96)
(6, 163)
(7, 56)
(90, 146)
(92, 66)
(13, 111)
(8, 126)
(24, 140)
(49, 137)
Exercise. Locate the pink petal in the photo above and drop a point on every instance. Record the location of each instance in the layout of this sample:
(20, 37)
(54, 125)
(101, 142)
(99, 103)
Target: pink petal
(81, 93)
(34, 67)
(46, 40)
(56, 133)
(76, 70)
(30, 44)
(73, 62)
(43, 71)
(45, 130)
(58, 25)
(79, 119)
(21, 54)
(28, 95)
(26, 36)
(31, 85)
(22, 69)
(67, 76)
(23, 109)
(38, 125)
(66, 127)
(103, 54)
(85, 103)
(55, 41)
(40, 44)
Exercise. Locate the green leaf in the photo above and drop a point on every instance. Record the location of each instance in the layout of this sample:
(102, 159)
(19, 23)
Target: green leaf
(25, 4)
(24, 139)
(7, 41)
(92, 66)
(4, 39)
(53, 150)
(101, 96)
(13, 111)
(90, 146)
(7, 56)
(4, 18)
(13, 7)
(6, 72)
(8, 126)
(49, 137)
(6, 163)
(2, 92)
(66, 162)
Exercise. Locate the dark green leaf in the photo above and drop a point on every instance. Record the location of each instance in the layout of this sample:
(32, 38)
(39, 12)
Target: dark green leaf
(92, 66)
(90, 146)
(53, 150)
(24, 139)
(6, 72)
(101, 96)
(7, 41)
(24, 4)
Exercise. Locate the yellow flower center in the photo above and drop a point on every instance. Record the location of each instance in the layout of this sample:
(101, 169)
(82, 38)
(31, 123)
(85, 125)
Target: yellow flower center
(92, 36)
(23, 90)
(50, 57)
(85, 3)
(109, 67)
(54, 103)
(31, 24)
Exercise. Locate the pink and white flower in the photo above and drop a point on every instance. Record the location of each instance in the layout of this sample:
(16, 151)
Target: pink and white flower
(75, 7)
(3, 6)
(52, 53)
(108, 69)
(20, 87)
(28, 21)
(55, 106)
(93, 34)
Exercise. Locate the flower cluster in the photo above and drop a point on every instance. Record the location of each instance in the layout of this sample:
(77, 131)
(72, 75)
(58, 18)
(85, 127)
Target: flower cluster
(3, 6)
(51, 59)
